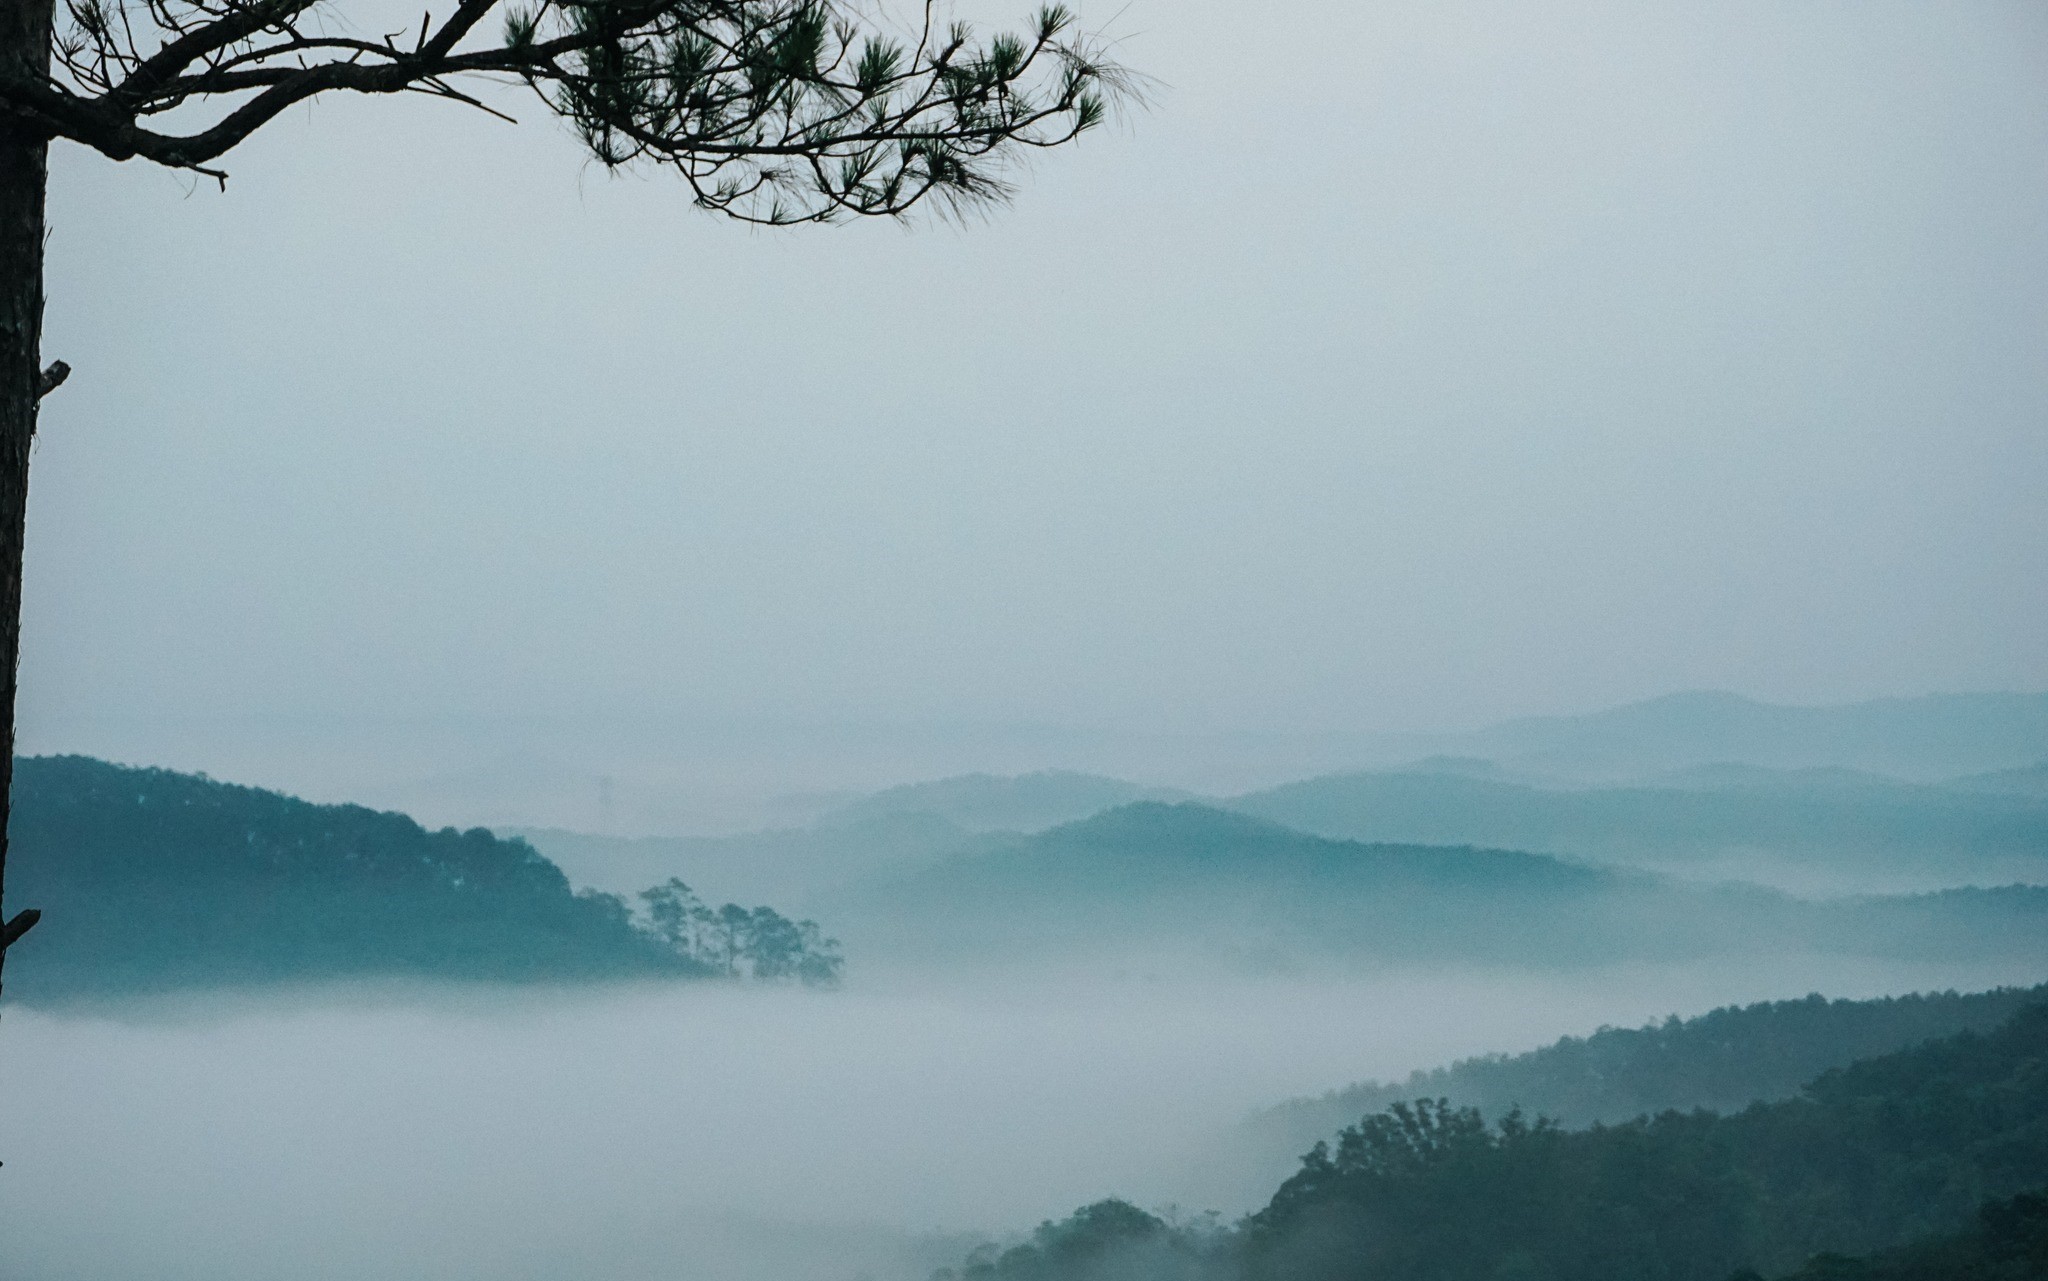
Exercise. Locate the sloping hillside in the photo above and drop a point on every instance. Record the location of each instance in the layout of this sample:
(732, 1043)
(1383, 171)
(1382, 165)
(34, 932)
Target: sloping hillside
(1873, 1155)
(152, 880)
(1889, 1150)
(1723, 1061)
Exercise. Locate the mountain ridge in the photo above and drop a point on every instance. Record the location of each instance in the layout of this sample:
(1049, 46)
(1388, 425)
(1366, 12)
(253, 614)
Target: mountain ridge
(153, 881)
(1152, 875)
(1924, 738)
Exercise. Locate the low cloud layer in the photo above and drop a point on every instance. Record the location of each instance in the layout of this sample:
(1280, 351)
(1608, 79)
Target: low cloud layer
(716, 1134)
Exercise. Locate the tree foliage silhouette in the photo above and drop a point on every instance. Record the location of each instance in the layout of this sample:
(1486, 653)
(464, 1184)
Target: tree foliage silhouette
(774, 947)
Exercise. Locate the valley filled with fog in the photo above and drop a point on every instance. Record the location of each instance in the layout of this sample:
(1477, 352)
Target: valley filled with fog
(662, 1132)
(270, 1037)
(277, 1038)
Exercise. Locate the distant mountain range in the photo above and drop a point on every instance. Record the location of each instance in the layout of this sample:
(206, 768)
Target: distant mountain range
(1714, 787)
(1924, 739)
(154, 879)
(1861, 825)
(1688, 741)
(1185, 879)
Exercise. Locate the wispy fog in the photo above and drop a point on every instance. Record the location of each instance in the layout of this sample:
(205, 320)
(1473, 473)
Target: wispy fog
(714, 1133)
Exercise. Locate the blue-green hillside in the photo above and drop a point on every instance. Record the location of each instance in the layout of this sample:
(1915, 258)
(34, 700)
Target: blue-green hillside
(150, 881)
(1186, 877)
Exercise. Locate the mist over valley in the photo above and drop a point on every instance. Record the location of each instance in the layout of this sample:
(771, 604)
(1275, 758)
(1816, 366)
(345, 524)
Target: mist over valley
(879, 1130)
(1057, 988)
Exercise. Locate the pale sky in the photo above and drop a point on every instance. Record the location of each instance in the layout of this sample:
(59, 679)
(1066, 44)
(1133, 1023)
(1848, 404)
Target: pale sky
(1411, 365)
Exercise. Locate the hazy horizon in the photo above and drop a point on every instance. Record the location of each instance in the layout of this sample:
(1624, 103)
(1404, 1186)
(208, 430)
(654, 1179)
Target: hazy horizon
(656, 775)
(1473, 365)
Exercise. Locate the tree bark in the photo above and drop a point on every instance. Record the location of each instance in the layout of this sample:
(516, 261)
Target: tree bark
(24, 182)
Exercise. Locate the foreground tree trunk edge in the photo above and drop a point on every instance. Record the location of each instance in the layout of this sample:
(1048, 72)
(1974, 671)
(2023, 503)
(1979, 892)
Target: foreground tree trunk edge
(24, 182)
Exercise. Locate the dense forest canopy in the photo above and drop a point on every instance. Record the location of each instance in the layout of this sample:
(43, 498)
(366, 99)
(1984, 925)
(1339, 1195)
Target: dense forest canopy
(151, 880)
(1888, 1151)
(1723, 1060)
(2008, 1242)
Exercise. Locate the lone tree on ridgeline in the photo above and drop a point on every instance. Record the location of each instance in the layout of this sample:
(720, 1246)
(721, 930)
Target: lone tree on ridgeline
(773, 111)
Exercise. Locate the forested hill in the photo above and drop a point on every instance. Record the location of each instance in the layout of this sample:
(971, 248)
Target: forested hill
(1890, 1150)
(1158, 879)
(1722, 1061)
(1153, 875)
(154, 880)
(1152, 847)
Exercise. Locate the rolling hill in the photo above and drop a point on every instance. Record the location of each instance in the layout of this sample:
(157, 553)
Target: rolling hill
(1160, 878)
(1722, 1061)
(1926, 1155)
(149, 880)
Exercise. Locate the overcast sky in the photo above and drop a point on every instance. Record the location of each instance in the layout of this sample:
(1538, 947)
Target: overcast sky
(1409, 365)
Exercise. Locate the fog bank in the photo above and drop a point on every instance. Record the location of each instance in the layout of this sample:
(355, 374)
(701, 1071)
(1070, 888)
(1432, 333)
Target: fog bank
(715, 1133)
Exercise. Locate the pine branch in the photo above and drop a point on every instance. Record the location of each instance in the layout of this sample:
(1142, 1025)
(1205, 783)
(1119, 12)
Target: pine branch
(772, 111)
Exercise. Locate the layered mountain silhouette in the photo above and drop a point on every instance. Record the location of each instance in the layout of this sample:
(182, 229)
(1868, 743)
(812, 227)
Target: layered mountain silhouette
(1154, 876)
(1813, 815)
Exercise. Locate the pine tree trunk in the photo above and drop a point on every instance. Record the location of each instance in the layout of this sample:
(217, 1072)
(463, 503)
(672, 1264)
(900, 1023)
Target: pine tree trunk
(24, 174)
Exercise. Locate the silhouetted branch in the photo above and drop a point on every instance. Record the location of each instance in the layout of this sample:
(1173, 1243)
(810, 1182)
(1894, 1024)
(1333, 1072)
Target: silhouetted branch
(774, 111)
(23, 922)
